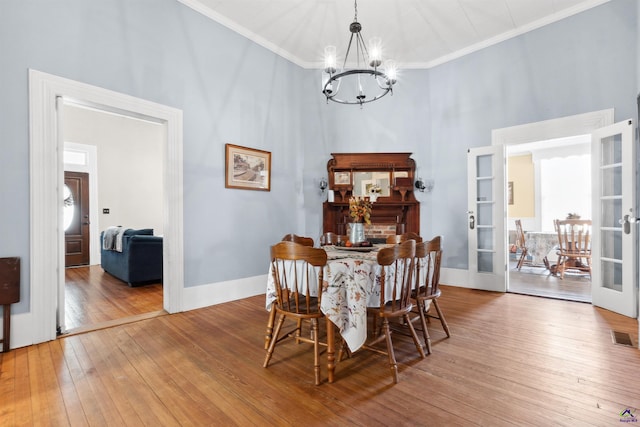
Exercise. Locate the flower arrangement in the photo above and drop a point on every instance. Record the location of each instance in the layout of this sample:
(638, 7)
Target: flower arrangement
(360, 209)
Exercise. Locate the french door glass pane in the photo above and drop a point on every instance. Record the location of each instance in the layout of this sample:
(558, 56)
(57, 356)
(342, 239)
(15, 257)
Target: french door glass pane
(485, 262)
(611, 150)
(611, 275)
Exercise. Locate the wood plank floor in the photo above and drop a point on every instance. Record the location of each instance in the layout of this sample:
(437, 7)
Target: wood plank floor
(94, 298)
(536, 280)
(512, 360)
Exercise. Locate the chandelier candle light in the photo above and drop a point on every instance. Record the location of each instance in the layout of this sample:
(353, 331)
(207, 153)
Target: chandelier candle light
(359, 81)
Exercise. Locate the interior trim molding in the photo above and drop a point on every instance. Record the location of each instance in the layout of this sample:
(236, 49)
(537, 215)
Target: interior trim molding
(563, 127)
(46, 176)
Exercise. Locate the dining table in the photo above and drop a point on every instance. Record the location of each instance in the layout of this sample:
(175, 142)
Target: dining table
(351, 283)
(541, 245)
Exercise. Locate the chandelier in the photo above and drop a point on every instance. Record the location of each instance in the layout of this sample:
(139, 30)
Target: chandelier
(364, 83)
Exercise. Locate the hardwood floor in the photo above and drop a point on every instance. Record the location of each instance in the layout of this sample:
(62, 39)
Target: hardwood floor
(536, 280)
(94, 299)
(511, 360)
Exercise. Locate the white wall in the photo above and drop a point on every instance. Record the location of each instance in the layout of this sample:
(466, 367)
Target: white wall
(130, 162)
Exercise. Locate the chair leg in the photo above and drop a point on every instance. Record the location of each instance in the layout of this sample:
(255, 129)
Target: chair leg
(270, 322)
(523, 254)
(392, 357)
(423, 321)
(299, 331)
(445, 326)
(274, 340)
(416, 341)
(316, 350)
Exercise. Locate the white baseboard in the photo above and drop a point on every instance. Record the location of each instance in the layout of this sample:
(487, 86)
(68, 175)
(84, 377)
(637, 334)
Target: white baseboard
(217, 293)
(454, 277)
(21, 330)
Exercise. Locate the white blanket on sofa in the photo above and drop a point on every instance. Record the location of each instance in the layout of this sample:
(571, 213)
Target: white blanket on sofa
(112, 238)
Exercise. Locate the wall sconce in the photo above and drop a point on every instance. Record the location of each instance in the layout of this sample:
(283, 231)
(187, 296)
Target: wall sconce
(323, 185)
(426, 185)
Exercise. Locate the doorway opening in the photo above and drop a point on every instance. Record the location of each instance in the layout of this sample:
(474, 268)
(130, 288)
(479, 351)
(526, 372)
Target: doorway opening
(121, 160)
(554, 129)
(546, 180)
(46, 291)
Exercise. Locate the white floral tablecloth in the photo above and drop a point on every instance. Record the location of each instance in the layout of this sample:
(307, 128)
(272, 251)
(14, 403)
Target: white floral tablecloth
(541, 246)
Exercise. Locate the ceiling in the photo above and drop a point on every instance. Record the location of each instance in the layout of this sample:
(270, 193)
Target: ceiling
(416, 33)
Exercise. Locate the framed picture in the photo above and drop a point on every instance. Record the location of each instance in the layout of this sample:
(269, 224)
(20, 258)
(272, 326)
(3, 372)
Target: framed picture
(342, 178)
(247, 168)
(510, 192)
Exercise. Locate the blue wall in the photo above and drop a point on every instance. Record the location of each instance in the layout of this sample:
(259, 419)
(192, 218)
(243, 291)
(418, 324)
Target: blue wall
(230, 90)
(233, 91)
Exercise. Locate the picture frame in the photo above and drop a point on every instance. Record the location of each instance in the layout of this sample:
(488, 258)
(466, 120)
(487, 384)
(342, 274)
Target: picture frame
(247, 168)
(510, 192)
(342, 178)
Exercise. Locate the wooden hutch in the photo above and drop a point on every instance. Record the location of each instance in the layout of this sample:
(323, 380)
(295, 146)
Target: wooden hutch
(354, 174)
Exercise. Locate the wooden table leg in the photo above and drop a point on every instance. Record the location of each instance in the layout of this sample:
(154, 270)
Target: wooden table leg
(331, 350)
(6, 326)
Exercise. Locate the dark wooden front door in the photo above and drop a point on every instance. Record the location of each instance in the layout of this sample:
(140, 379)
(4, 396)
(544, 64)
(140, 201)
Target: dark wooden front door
(76, 234)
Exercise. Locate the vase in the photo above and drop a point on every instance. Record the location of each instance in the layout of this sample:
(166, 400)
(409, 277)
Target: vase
(356, 232)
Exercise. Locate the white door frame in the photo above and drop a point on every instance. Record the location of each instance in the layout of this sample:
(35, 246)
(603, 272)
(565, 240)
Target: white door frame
(46, 178)
(563, 127)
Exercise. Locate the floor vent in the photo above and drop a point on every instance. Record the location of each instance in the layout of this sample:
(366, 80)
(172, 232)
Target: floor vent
(621, 338)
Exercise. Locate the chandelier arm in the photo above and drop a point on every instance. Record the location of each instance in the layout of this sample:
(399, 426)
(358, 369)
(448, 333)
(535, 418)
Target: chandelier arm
(387, 82)
(346, 56)
(364, 53)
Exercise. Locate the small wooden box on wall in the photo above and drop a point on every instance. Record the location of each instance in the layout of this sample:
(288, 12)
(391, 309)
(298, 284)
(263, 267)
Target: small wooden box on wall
(9, 294)
(356, 174)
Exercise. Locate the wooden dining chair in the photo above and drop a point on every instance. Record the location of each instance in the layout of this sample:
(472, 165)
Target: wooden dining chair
(520, 244)
(396, 284)
(574, 245)
(306, 241)
(298, 273)
(399, 238)
(427, 290)
(331, 238)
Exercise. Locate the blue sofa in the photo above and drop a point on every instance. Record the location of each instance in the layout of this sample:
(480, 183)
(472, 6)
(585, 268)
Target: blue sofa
(140, 261)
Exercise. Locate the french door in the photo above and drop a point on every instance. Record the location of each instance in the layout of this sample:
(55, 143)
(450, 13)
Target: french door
(614, 230)
(614, 260)
(486, 218)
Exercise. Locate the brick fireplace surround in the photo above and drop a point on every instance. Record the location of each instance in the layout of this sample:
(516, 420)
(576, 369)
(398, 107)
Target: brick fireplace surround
(379, 231)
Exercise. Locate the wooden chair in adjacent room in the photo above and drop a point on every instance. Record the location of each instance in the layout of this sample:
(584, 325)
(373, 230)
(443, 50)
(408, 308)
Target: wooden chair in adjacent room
(306, 241)
(396, 283)
(574, 245)
(399, 238)
(297, 272)
(520, 244)
(427, 290)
